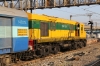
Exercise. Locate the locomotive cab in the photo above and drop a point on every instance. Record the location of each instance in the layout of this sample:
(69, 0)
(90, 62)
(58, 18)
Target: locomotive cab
(80, 32)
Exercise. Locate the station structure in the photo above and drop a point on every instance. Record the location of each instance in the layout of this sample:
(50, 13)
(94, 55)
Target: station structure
(42, 4)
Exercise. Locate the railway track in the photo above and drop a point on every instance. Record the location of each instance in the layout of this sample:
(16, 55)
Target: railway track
(96, 63)
(67, 54)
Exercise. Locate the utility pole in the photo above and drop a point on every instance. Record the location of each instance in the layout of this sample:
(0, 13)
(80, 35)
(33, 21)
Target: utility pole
(70, 17)
(31, 4)
(96, 25)
(89, 14)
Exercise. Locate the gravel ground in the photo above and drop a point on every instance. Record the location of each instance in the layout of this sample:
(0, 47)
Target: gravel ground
(86, 56)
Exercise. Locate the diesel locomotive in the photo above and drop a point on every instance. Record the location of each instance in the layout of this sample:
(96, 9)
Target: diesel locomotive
(25, 36)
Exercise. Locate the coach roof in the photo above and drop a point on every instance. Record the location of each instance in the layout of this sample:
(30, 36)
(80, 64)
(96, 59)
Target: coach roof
(12, 12)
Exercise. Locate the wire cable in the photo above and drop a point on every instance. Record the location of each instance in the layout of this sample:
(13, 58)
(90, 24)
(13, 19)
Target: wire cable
(64, 11)
(90, 7)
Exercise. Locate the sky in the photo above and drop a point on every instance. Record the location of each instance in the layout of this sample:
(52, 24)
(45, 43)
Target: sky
(65, 12)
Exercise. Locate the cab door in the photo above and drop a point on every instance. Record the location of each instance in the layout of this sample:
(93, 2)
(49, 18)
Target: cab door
(77, 30)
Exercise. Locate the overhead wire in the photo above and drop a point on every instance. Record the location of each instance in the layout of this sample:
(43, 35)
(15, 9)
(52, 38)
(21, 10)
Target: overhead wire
(82, 8)
(91, 11)
(64, 11)
(75, 13)
(91, 7)
(86, 9)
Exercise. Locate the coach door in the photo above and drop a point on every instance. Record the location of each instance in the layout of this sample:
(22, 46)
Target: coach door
(77, 30)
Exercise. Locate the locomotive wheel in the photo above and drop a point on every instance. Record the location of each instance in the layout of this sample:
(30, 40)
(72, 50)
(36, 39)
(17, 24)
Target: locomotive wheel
(54, 49)
(39, 52)
(84, 43)
(43, 52)
(50, 49)
(80, 45)
(46, 50)
(72, 46)
(75, 46)
(58, 48)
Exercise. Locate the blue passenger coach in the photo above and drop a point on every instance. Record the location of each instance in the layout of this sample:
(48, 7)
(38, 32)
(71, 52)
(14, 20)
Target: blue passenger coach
(13, 30)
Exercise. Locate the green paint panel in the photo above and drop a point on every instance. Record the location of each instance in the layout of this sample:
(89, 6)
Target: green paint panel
(60, 26)
(34, 24)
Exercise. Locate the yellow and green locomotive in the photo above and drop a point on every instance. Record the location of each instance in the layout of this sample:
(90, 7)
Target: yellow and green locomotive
(48, 34)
